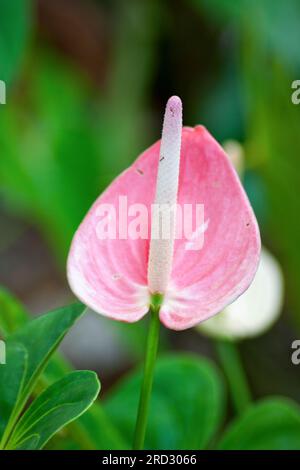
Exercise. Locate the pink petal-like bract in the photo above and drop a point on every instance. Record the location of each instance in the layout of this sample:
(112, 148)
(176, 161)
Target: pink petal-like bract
(110, 274)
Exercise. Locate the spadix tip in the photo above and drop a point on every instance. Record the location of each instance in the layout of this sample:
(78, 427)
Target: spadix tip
(174, 106)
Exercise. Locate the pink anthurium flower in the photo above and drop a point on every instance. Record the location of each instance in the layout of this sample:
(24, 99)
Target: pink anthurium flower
(118, 275)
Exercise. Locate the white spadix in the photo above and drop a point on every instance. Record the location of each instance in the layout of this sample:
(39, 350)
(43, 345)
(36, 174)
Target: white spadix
(163, 222)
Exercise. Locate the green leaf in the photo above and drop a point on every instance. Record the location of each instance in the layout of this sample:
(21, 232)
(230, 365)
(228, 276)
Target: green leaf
(93, 429)
(12, 314)
(186, 405)
(11, 380)
(58, 405)
(272, 424)
(29, 443)
(41, 337)
(14, 31)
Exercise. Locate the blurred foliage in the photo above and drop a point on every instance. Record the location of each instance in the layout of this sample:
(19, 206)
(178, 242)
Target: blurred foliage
(267, 61)
(275, 25)
(271, 424)
(122, 121)
(62, 143)
(50, 165)
(12, 313)
(274, 146)
(186, 391)
(15, 24)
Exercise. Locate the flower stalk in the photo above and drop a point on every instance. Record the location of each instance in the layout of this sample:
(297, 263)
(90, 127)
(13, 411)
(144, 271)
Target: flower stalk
(233, 369)
(150, 357)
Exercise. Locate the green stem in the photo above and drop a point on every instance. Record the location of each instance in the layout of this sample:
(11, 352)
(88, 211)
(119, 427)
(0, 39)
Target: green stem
(231, 363)
(151, 352)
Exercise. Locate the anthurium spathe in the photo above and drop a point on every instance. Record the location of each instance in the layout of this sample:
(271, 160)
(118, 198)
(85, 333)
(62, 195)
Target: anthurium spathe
(118, 275)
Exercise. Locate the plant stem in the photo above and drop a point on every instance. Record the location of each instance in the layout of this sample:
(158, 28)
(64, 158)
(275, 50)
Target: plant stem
(231, 363)
(146, 388)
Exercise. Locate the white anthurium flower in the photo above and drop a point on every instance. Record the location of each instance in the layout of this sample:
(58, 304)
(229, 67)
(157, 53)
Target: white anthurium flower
(259, 307)
(256, 310)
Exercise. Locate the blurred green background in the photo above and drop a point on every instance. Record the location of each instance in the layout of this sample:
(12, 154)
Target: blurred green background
(87, 83)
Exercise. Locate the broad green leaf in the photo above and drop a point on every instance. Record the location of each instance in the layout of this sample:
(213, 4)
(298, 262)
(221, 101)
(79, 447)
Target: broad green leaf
(29, 443)
(13, 316)
(12, 313)
(11, 380)
(186, 404)
(42, 336)
(272, 424)
(92, 430)
(58, 405)
(14, 31)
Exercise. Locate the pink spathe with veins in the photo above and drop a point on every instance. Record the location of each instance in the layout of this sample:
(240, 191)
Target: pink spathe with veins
(116, 277)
